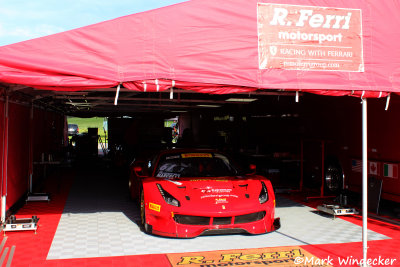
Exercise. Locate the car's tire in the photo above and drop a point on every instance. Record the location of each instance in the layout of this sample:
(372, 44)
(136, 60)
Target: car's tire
(333, 177)
(147, 228)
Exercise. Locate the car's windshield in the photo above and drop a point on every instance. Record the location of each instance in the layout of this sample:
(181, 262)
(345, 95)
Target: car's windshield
(194, 165)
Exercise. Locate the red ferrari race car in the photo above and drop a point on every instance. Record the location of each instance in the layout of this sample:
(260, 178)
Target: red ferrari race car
(189, 192)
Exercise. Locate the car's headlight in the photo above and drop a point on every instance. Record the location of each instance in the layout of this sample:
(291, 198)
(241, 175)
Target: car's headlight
(168, 197)
(263, 194)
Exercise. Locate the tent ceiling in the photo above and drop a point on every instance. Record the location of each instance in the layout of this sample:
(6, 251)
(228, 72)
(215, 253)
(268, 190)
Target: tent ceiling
(100, 102)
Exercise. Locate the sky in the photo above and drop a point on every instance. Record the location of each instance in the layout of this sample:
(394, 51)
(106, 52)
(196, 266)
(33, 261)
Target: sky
(22, 20)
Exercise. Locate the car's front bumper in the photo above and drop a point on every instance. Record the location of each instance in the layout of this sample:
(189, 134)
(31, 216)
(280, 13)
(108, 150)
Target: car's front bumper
(171, 227)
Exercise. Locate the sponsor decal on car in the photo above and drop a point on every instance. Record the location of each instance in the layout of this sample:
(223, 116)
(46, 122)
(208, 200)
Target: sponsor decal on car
(173, 157)
(219, 196)
(220, 200)
(208, 179)
(154, 207)
(174, 182)
(279, 256)
(196, 155)
(216, 190)
(168, 175)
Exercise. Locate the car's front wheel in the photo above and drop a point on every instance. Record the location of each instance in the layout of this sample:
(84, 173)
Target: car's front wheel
(146, 227)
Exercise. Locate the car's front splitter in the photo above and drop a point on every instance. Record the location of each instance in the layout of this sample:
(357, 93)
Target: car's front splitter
(167, 226)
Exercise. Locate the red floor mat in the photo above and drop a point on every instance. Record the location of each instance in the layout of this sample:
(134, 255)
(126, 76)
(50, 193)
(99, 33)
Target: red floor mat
(31, 249)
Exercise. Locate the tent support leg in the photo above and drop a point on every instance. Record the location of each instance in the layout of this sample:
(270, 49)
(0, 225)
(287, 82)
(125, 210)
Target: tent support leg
(301, 164)
(322, 167)
(364, 181)
(3, 209)
(31, 148)
(4, 164)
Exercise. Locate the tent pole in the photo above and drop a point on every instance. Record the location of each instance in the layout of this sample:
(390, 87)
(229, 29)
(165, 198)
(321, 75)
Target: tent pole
(4, 164)
(322, 167)
(364, 181)
(31, 148)
(301, 164)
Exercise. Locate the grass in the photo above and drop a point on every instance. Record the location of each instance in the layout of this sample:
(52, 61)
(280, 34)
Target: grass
(85, 123)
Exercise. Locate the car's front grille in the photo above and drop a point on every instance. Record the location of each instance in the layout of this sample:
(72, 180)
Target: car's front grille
(200, 220)
(192, 220)
(252, 217)
(222, 220)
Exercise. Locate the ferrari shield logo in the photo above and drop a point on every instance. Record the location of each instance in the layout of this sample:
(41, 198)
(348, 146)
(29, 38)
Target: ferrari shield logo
(273, 49)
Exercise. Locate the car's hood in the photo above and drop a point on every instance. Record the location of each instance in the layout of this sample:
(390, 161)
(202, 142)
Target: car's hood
(227, 193)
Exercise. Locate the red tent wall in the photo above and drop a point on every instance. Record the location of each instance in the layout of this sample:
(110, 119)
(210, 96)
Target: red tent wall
(48, 136)
(18, 156)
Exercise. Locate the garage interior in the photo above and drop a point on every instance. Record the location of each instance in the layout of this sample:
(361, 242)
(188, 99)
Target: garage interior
(97, 219)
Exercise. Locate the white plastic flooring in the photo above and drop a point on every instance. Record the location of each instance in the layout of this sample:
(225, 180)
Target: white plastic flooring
(99, 220)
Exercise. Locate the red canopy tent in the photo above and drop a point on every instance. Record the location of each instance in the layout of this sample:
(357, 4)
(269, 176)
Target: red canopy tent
(216, 46)
(331, 47)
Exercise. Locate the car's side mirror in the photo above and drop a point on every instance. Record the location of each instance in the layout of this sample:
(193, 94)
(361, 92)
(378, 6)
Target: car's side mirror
(140, 171)
(252, 169)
